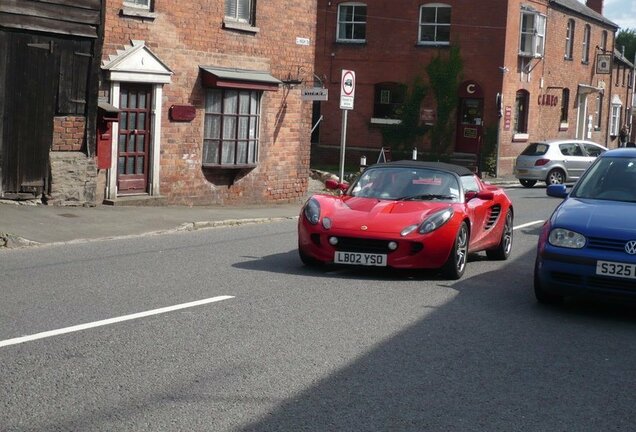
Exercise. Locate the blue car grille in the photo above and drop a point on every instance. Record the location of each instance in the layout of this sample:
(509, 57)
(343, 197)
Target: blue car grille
(606, 244)
(594, 282)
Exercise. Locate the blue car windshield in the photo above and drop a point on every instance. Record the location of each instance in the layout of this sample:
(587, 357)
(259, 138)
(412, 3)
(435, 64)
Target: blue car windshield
(610, 178)
(402, 183)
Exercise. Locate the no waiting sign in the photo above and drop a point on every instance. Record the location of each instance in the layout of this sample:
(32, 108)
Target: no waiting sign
(347, 89)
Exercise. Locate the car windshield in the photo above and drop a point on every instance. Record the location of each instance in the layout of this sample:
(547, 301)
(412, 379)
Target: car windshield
(610, 178)
(536, 149)
(402, 183)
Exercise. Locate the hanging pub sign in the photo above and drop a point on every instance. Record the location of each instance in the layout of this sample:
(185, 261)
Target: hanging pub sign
(603, 63)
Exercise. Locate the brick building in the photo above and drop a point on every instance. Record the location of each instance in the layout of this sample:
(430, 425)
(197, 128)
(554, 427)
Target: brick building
(530, 71)
(200, 101)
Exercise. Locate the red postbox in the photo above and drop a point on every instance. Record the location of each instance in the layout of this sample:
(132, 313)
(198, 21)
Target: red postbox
(107, 114)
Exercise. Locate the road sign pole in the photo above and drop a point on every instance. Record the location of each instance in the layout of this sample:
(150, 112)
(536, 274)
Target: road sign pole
(343, 143)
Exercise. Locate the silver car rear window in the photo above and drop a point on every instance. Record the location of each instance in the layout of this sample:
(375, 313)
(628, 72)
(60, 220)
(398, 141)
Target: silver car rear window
(535, 149)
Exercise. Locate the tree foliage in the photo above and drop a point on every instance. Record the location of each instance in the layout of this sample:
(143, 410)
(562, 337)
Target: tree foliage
(403, 135)
(444, 73)
(627, 38)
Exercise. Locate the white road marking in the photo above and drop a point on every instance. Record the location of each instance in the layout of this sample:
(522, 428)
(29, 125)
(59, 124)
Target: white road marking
(86, 326)
(525, 225)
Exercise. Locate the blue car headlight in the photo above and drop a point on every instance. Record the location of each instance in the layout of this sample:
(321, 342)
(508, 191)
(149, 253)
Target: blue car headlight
(312, 211)
(562, 237)
(431, 223)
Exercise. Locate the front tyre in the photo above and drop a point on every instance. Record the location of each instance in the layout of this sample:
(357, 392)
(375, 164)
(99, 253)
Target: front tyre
(455, 266)
(307, 260)
(503, 249)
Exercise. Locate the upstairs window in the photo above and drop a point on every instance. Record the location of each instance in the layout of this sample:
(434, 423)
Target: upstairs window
(604, 40)
(352, 22)
(389, 97)
(532, 38)
(569, 40)
(241, 11)
(435, 20)
(231, 127)
(141, 4)
(586, 44)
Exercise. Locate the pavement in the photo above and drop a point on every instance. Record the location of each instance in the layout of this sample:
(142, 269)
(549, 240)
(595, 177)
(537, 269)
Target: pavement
(25, 224)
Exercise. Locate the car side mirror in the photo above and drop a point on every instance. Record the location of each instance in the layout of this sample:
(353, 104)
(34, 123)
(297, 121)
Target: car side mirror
(332, 184)
(557, 191)
(483, 195)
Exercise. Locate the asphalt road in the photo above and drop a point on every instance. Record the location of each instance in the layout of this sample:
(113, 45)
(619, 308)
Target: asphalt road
(275, 346)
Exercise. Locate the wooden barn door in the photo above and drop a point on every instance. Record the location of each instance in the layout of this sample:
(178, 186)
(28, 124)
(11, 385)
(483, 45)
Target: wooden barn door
(30, 94)
(134, 138)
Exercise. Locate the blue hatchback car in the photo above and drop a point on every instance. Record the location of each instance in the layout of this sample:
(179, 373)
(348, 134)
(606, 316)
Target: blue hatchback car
(588, 246)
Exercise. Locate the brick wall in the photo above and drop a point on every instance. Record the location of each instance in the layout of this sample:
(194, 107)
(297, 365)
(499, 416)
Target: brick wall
(186, 35)
(68, 133)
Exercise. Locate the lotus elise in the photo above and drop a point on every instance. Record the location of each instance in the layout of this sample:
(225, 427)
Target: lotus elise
(407, 215)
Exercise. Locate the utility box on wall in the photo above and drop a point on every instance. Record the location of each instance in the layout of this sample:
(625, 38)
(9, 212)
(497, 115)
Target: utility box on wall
(107, 114)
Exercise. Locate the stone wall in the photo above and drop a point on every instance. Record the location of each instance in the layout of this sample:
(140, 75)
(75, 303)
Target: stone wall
(73, 179)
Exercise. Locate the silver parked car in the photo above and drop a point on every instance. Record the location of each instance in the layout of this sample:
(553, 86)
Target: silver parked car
(555, 161)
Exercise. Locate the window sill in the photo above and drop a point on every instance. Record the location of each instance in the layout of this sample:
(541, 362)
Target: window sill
(520, 137)
(563, 127)
(137, 13)
(225, 175)
(433, 44)
(240, 26)
(385, 121)
(351, 42)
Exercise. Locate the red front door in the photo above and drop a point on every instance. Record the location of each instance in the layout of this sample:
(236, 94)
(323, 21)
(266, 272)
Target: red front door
(134, 139)
(470, 121)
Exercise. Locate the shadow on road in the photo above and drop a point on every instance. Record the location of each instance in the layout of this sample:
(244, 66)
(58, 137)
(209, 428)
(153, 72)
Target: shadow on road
(489, 359)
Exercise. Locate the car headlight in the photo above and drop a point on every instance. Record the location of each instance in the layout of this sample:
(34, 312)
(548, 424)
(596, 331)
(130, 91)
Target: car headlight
(431, 223)
(312, 211)
(565, 238)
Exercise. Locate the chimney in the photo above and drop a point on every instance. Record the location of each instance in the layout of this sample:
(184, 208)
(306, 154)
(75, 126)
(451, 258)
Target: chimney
(595, 5)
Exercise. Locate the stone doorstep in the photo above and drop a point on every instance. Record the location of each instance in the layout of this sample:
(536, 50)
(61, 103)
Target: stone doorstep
(136, 200)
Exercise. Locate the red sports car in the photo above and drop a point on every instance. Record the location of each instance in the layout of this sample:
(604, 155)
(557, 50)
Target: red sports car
(408, 215)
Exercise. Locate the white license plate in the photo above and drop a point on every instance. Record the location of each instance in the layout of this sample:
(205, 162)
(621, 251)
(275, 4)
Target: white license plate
(616, 269)
(356, 258)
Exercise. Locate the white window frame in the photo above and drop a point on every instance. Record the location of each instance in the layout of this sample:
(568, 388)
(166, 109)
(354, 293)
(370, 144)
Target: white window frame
(569, 40)
(615, 119)
(586, 44)
(139, 4)
(437, 25)
(343, 37)
(234, 11)
(532, 37)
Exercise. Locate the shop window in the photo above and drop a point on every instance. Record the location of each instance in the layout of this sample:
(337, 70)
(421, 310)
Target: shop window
(435, 21)
(388, 98)
(565, 108)
(231, 129)
(569, 40)
(586, 44)
(521, 112)
(532, 37)
(352, 22)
